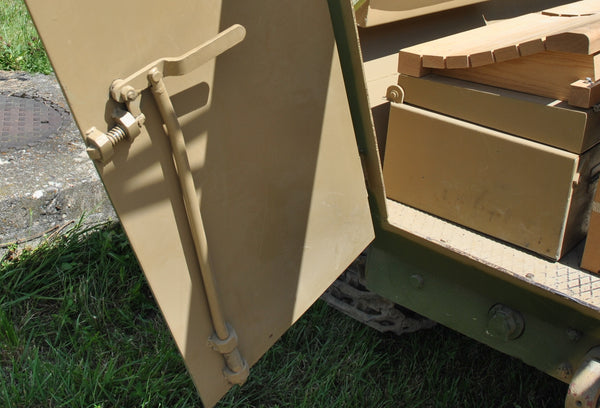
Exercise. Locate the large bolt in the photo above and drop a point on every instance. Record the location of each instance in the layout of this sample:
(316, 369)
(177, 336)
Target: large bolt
(99, 146)
(504, 323)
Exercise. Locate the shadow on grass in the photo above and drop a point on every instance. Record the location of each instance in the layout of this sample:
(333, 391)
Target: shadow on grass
(80, 328)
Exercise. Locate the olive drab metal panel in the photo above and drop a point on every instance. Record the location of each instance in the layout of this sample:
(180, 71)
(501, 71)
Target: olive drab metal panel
(222, 133)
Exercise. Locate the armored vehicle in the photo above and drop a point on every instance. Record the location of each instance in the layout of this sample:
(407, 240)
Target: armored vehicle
(253, 149)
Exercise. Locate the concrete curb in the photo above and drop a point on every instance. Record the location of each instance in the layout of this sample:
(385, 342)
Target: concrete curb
(49, 183)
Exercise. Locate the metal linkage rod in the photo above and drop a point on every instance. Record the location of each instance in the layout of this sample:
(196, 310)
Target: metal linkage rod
(224, 340)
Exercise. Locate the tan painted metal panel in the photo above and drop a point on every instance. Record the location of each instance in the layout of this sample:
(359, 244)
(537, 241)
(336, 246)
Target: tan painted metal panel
(510, 188)
(271, 146)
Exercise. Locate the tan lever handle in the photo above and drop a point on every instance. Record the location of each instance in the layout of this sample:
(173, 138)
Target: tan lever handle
(126, 89)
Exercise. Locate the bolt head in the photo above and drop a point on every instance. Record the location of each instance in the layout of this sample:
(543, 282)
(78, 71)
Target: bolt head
(504, 323)
(155, 75)
(127, 93)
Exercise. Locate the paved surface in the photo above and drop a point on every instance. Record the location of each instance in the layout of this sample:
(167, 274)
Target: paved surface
(46, 178)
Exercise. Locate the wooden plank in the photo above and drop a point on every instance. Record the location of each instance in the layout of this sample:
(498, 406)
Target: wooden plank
(584, 94)
(411, 64)
(549, 73)
(480, 59)
(434, 61)
(531, 47)
(506, 53)
(457, 61)
(508, 39)
(583, 40)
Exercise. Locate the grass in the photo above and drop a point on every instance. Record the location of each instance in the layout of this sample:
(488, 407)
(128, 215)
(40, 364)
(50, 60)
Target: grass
(20, 46)
(79, 328)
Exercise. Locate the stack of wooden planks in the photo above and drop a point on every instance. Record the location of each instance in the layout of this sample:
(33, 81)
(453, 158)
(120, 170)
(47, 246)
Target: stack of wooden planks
(554, 53)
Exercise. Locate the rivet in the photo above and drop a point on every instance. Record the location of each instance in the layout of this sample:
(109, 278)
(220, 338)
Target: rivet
(573, 335)
(417, 281)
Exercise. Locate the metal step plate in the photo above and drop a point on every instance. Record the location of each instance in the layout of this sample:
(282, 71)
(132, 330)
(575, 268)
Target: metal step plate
(561, 278)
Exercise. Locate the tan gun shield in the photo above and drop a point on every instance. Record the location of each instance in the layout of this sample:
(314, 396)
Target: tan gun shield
(271, 149)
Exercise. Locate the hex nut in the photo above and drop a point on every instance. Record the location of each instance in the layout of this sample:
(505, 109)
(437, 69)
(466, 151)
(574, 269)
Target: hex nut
(99, 146)
(128, 122)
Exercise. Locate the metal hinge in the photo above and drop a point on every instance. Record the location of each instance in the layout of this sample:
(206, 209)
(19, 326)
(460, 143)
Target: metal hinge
(101, 147)
(395, 94)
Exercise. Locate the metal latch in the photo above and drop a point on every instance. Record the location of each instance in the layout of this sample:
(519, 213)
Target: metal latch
(101, 146)
(129, 122)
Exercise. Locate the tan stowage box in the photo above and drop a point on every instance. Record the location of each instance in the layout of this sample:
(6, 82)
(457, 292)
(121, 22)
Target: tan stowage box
(537, 118)
(517, 190)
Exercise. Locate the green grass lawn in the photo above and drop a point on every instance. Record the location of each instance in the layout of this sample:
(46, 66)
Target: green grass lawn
(79, 328)
(20, 46)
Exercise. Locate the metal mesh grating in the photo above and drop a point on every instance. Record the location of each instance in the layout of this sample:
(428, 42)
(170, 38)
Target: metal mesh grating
(25, 122)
